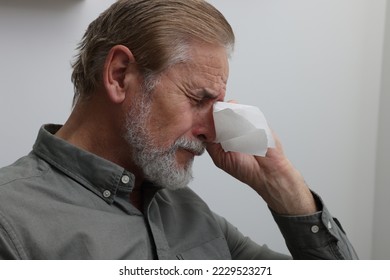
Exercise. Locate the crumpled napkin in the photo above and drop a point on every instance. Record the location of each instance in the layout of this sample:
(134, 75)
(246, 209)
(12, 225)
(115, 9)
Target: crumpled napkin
(242, 128)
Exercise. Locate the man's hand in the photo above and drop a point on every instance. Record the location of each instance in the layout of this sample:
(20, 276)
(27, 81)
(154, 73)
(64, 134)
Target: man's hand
(273, 177)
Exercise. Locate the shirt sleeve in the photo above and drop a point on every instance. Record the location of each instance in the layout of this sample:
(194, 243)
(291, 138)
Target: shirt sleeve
(242, 247)
(317, 236)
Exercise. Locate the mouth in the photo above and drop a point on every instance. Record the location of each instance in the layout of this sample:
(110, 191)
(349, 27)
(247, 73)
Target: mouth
(193, 152)
(195, 148)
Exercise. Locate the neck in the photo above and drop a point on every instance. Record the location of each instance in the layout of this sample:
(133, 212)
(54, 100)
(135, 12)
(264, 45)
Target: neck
(95, 125)
(98, 129)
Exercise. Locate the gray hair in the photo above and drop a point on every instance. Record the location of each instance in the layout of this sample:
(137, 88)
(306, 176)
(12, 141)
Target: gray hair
(158, 33)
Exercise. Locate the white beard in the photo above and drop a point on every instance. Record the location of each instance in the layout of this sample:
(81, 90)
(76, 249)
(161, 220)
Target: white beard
(159, 165)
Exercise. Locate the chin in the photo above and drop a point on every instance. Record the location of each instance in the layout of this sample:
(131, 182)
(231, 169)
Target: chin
(176, 179)
(185, 159)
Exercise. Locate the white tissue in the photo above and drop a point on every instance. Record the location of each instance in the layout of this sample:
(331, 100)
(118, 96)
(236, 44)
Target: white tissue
(242, 128)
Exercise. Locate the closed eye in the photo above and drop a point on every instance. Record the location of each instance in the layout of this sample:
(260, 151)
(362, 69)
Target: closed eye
(204, 97)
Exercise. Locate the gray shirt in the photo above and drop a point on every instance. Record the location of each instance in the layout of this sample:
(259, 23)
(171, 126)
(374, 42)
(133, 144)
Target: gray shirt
(61, 202)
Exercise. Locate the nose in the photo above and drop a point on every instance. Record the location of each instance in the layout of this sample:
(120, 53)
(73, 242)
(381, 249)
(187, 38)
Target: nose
(204, 128)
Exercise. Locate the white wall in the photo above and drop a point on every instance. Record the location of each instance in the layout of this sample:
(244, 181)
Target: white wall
(312, 66)
(381, 244)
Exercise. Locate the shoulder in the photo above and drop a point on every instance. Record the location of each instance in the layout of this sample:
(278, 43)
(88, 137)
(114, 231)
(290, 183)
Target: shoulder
(24, 169)
(15, 179)
(20, 181)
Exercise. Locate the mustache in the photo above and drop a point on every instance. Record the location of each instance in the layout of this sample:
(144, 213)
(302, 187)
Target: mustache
(195, 146)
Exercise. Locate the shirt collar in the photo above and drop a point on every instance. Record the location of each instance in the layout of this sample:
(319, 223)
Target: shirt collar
(101, 176)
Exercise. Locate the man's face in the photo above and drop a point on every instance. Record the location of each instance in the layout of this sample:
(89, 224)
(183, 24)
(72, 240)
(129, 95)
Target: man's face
(169, 127)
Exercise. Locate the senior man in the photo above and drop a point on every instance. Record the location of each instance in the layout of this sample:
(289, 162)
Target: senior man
(111, 183)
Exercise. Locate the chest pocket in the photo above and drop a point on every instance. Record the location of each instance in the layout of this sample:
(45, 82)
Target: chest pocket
(215, 249)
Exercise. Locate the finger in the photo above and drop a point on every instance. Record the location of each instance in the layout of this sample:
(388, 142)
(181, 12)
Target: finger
(214, 149)
(233, 101)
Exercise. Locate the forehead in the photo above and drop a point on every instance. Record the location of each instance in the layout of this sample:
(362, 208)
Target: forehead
(211, 60)
(207, 67)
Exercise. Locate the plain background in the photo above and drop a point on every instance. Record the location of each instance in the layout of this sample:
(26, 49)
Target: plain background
(318, 69)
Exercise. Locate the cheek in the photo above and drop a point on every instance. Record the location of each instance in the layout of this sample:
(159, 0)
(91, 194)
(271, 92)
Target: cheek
(179, 125)
(170, 125)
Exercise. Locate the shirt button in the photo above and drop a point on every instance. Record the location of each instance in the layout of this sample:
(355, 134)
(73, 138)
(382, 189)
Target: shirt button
(106, 193)
(125, 179)
(315, 229)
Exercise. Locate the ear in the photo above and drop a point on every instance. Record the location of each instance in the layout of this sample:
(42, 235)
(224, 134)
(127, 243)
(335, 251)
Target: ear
(118, 65)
